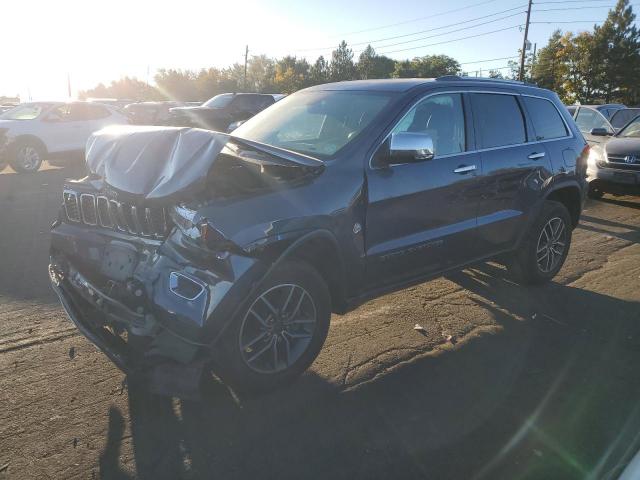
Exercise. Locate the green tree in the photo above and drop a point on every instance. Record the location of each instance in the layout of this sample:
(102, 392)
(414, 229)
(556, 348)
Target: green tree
(617, 43)
(429, 66)
(124, 88)
(549, 69)
(319, 71)
(342, 67)
(372, 65)
(177, 84)
(261, 71)
(582, 65)
(291, 74)
(405, 69)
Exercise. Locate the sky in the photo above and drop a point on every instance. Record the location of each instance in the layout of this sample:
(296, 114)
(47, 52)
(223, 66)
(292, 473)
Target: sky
(91, 41)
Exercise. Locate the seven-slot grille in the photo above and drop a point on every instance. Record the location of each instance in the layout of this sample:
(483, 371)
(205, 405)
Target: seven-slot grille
(98, 210)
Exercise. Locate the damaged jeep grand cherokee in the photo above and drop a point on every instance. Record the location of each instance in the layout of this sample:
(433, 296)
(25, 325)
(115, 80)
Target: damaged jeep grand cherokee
(185, 248)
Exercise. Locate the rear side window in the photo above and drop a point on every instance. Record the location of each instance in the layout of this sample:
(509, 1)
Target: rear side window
(546, 120)
(498, 120)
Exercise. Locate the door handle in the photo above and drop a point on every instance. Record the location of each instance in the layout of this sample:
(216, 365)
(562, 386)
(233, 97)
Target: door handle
(536, 156)
(465, 169)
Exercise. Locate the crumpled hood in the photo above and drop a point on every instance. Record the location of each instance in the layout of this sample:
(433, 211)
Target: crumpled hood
(153, 163)
(162, 164)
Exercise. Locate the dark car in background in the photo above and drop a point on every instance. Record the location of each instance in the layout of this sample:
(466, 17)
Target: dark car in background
(150, 113)
(614, 163)
(186, 247)
(221, 111)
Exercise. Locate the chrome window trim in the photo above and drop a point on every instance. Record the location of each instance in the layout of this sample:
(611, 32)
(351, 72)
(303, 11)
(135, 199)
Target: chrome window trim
(477, 150)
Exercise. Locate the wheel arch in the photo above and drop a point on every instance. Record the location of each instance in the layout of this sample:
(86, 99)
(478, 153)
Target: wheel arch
(30, 138)
(320, 249)
(569, 194)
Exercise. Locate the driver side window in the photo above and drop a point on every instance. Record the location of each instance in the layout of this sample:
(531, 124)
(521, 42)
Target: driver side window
(442, 118)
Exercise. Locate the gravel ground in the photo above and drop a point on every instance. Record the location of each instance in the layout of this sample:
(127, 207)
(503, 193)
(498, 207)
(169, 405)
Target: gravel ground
(506, 382)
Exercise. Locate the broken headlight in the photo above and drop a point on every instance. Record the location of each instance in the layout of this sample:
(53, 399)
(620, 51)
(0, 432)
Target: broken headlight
(198, 230)
(183, 218)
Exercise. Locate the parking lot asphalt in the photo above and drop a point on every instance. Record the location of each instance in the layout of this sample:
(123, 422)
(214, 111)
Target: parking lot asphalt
(505, 381)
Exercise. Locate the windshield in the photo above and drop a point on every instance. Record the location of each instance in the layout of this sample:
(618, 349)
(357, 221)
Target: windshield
(28, 111)
(219, 101)
(318, 123)
(632, 130)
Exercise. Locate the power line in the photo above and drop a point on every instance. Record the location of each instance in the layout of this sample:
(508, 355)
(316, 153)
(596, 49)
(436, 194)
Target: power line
(571, 8)
(454, 39)
(418, 19)
(490, 60)
(447, 33)
(573, 21)
(421, 31)
(569, 1)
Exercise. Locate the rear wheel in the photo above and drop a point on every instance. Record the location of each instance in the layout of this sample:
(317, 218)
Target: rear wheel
(26, 157)
(280, 331)
(545, 248)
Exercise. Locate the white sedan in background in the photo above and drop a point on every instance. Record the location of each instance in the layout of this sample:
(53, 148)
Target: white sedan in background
(34, 131)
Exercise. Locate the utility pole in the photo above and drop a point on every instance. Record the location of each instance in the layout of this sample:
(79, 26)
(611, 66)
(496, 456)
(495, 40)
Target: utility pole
(524, 42)
(246, 57)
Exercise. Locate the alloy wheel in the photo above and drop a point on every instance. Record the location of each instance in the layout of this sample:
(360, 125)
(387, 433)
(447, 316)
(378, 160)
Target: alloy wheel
(551, 245)
(277, 329)
(28, 158)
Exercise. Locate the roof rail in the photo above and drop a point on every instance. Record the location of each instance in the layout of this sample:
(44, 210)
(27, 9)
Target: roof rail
(448, 78)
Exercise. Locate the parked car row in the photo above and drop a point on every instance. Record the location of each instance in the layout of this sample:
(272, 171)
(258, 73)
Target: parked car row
(31, 132)
(189, 247)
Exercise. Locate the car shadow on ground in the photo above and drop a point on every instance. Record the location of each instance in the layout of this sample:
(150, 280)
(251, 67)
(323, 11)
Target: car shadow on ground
(620, 202)
(547, 396)
(30, 203)
(629, 233)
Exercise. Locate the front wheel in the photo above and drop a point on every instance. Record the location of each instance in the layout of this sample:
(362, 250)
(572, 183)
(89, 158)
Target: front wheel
(26, 157)
(594, 192)
(545, 248)
(279, 332)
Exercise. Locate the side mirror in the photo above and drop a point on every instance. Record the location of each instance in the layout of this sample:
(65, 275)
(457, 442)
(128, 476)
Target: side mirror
(599, 132)
(409, 147)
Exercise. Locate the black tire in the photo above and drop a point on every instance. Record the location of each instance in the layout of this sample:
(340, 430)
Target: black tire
(529, 264)
(292, 357)
(594, 192)
(26, 156)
